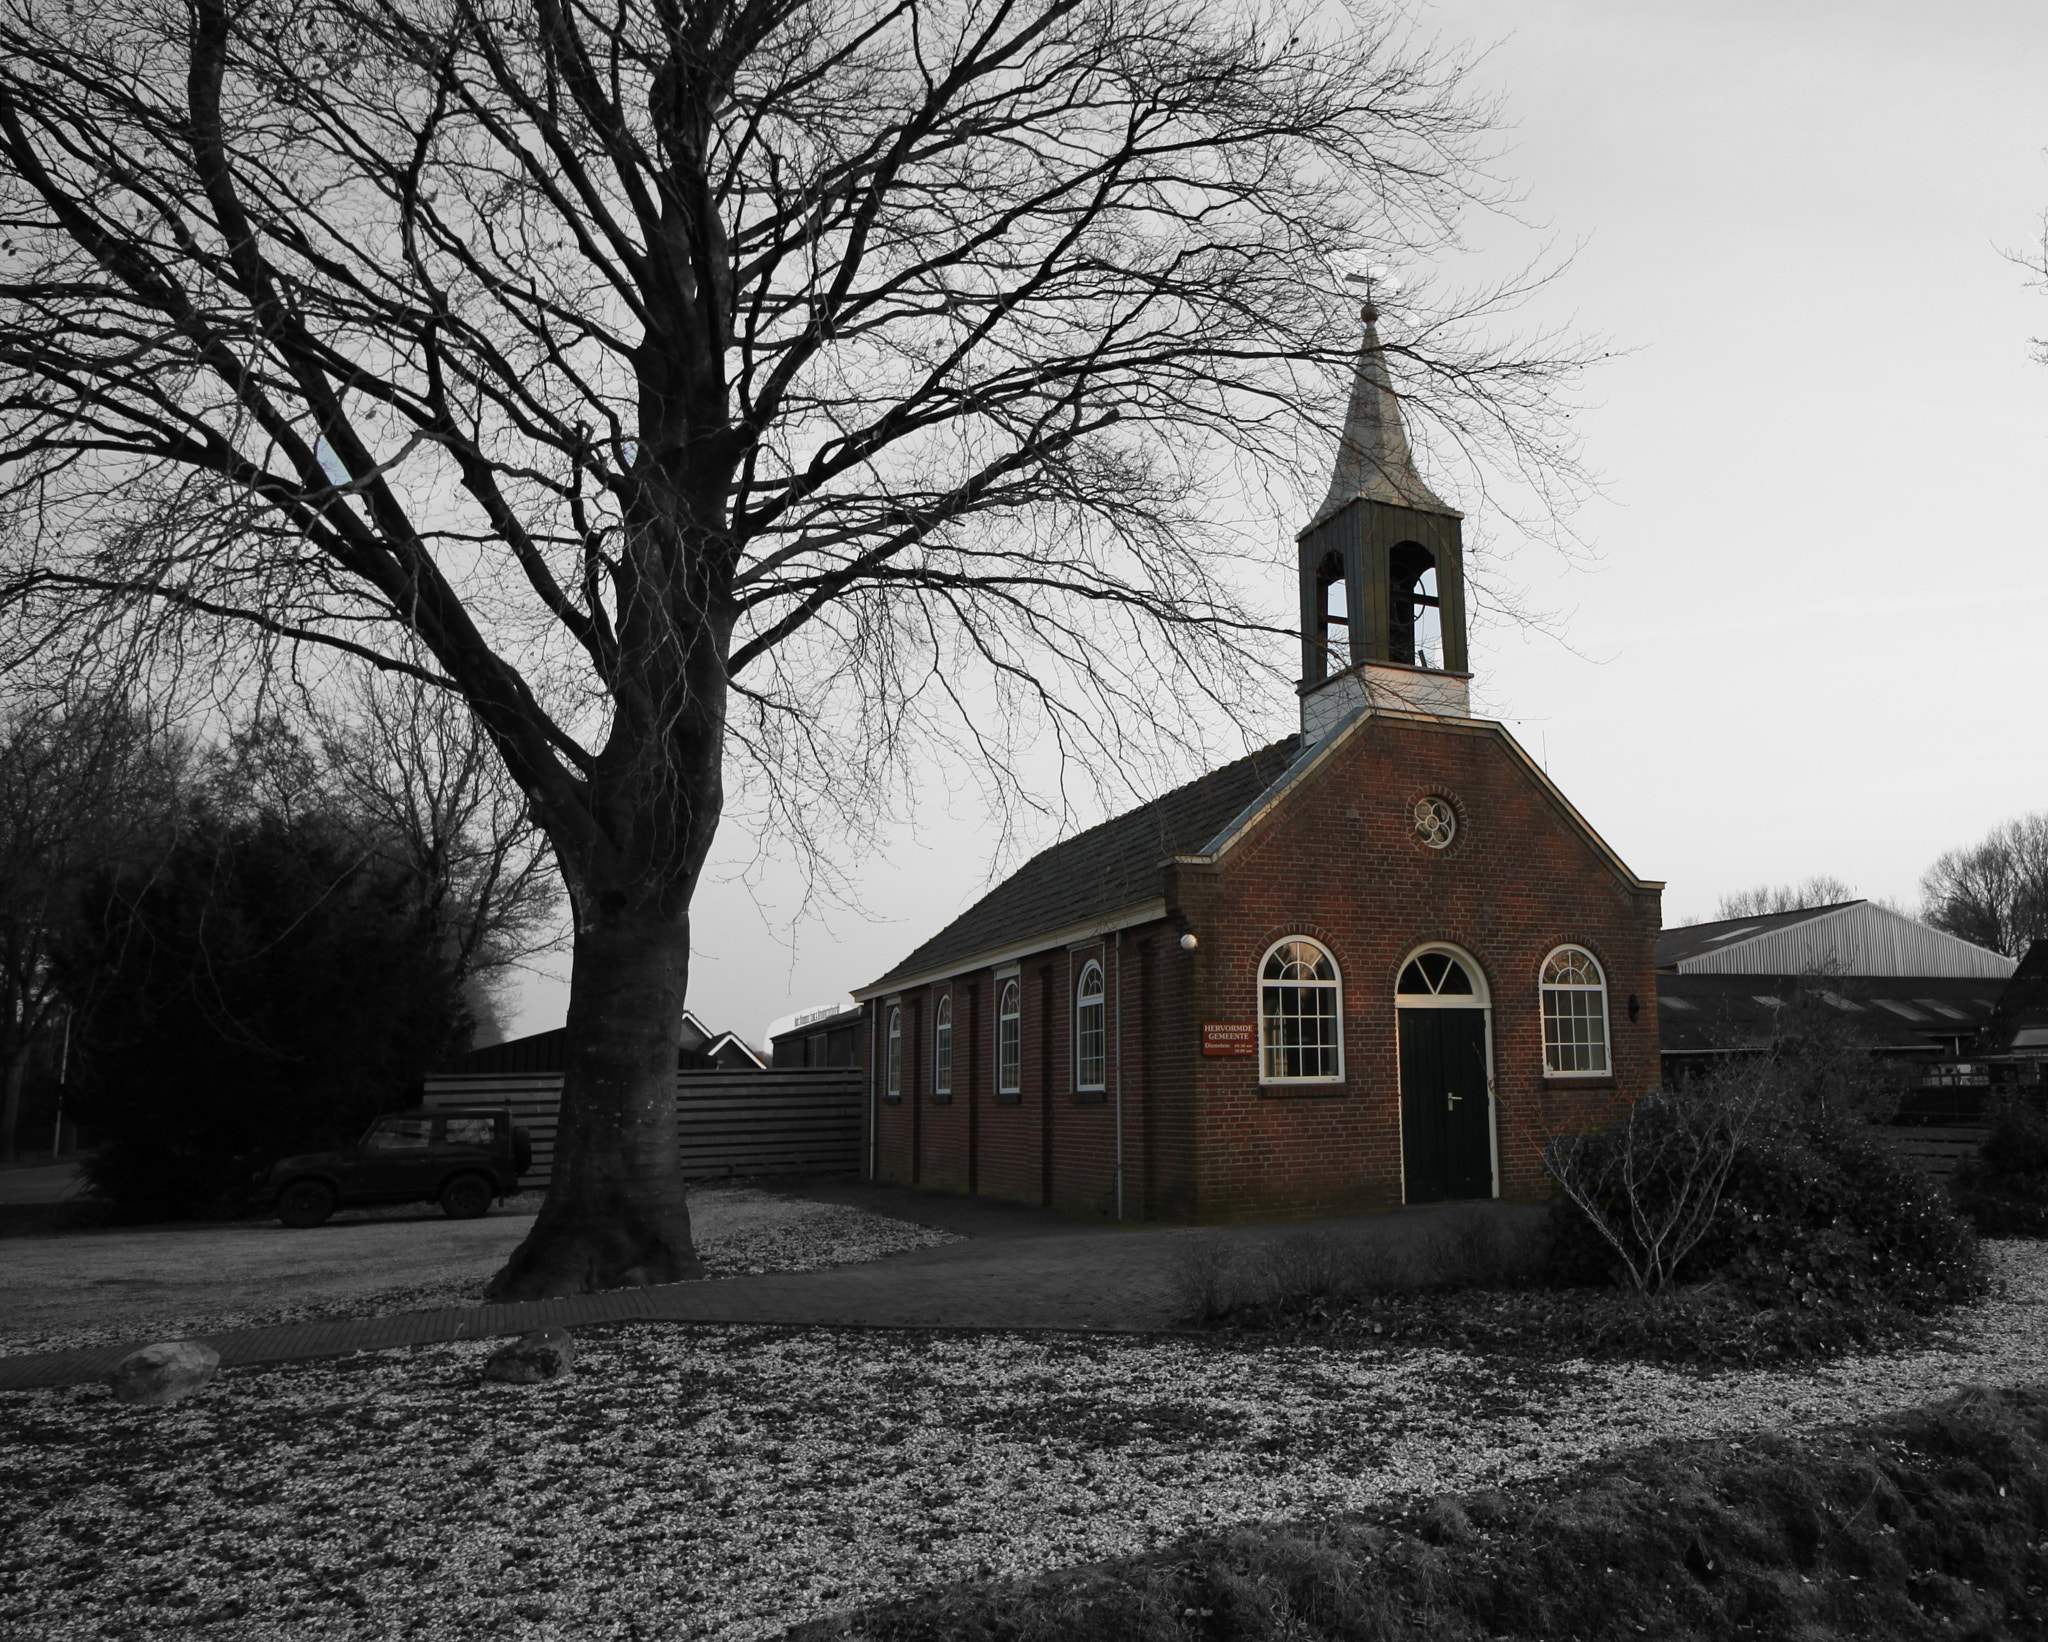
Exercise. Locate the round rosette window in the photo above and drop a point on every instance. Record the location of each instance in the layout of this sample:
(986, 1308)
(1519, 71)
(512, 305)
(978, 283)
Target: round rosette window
(1436, 821)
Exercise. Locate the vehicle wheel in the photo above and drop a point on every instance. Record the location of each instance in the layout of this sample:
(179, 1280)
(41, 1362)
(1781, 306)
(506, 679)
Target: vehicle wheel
(304, 1203)
(466, 1197)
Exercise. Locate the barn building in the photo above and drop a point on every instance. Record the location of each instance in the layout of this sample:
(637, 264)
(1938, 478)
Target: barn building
(1376, 962)
(1890, 983)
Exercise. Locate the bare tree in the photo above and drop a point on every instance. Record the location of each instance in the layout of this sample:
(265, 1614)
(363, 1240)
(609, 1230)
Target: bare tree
(423, 781)
(84, 786)
(409, 777)
(1818, 891)
(690, 382)
(1994, 892)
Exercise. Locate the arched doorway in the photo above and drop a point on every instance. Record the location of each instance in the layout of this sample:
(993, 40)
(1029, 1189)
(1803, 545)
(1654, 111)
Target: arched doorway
(1446, 1082)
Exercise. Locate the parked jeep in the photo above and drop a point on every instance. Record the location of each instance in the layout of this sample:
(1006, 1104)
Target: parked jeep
(459, 1159)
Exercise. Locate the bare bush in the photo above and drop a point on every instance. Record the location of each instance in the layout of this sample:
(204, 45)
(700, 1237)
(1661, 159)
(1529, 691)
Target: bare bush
(1204, 1275)
(1311, 1264)
(1652, 1184)
(1475, 1247)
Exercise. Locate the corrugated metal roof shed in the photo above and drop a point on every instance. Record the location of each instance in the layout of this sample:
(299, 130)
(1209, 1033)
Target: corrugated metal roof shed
(1851, 938)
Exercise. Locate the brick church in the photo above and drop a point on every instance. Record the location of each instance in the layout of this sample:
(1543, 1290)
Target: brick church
(1375, 963)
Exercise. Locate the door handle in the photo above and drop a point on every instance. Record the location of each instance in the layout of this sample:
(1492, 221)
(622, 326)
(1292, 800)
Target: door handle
(1451, 1101)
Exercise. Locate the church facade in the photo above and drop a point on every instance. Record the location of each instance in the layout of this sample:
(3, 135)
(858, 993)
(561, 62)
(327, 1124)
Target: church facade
(1378, 962)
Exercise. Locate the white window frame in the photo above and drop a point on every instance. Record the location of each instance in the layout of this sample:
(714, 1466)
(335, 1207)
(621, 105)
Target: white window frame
(942, 1046)
(1010, 1039)
(1480, 997)
(1099, 1003)
(1267, 1076)
(892, 1084)
(1545, 987)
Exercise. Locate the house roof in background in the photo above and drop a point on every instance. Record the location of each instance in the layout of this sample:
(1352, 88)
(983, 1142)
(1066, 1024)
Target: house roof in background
(1706, 1014)
(1846, 938)
(1114, 865)
(824, 1022)
(2020, 1023)
(545, 1052)
(1690, 940)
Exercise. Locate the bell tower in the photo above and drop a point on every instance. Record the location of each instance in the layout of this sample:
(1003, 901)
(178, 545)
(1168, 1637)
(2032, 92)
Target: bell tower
(1382, 572)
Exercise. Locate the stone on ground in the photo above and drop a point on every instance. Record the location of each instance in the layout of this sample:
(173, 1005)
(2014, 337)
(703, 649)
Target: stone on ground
(545, 1354)
(164, 1372)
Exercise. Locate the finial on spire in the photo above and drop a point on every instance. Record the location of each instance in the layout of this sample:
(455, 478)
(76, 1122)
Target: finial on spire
(1373, 459)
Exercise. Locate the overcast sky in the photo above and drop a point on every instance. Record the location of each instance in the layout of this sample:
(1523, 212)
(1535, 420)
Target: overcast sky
(1812, 638)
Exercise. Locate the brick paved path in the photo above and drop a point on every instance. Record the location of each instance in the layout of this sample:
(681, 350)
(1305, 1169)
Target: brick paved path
(1014, 1276)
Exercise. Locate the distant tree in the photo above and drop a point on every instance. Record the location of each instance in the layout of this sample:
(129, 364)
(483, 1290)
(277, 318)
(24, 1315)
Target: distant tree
(1818, 891)
(1994, 893)
(426, 789)
(412, 778)
(86, 786)
(709, 383)
(268, 987)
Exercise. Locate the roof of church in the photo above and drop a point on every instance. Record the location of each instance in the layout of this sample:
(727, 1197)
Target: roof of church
(1118, 864)
(1373, 459)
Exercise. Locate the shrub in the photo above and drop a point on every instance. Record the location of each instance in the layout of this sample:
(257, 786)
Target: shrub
(1649, 1188)
(1828, 1212)
(1802, 1206)
(2004, 1188)
(267, 989)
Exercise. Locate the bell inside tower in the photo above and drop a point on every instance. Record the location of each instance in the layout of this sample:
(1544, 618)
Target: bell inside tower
(1414, 609)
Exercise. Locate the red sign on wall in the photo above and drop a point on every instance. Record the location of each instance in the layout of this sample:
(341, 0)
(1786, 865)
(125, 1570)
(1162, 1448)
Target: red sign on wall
(1229, 1038)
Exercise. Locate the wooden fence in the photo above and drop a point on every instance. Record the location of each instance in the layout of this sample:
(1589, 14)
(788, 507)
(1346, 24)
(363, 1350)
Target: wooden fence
(1937, 1148)
(727, 1123)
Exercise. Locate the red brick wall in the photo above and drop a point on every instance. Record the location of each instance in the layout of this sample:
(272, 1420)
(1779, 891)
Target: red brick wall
(1339, 862)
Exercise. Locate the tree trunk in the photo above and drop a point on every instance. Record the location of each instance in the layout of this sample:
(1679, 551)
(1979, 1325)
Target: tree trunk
(615, 1214)
(10, 1114)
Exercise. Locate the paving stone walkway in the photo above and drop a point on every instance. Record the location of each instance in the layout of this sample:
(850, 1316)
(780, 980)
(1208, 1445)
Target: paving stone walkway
(1020, 1269)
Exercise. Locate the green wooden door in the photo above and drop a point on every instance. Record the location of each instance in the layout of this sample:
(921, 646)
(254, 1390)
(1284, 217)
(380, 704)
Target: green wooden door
(1446, 1132)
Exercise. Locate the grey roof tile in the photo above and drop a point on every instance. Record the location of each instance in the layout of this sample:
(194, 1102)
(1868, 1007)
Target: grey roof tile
(1110, 866)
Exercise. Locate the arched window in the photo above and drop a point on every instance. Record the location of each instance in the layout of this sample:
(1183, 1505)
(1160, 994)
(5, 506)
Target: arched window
(942, 1047)
(1574, 1014)
(1090, 1040)
(1300, 1015)
(893, 1084)
(1414, 625)
(1333, 613)
(1435, 975)
(1010, 1040)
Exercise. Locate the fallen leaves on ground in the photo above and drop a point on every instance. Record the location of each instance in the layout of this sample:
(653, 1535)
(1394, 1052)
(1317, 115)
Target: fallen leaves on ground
(724, 1482)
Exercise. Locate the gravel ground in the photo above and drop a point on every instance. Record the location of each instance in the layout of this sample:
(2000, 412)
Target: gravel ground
(723, 1483)
(96, 1288)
